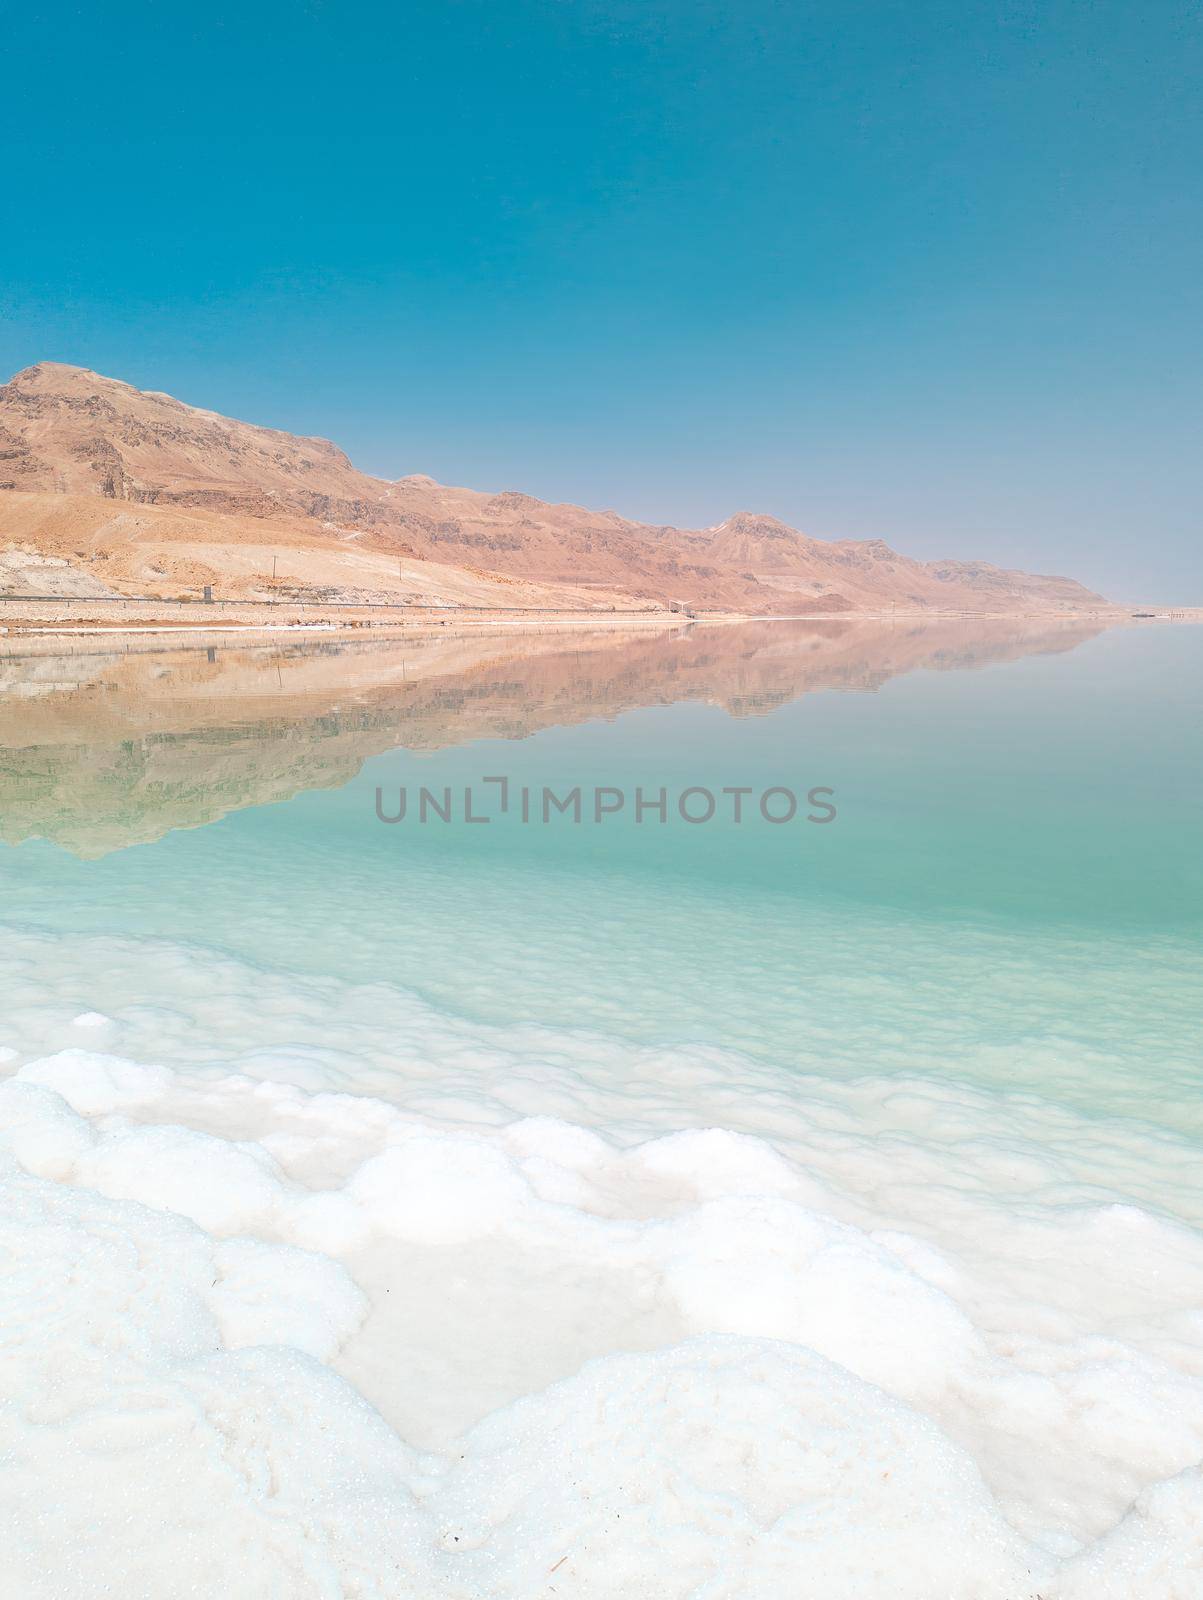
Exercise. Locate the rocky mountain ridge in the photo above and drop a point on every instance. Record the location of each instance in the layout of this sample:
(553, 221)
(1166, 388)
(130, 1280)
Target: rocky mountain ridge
(65, 430)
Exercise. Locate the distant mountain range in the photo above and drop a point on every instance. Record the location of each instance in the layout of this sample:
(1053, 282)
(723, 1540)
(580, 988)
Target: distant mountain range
(111, 489)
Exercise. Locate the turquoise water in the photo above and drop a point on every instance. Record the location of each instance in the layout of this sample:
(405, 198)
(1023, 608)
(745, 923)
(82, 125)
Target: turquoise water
(1010, 892)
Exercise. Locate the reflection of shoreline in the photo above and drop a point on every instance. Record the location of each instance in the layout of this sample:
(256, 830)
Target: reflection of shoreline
(162, 641)
(254, 632)
(105, 748)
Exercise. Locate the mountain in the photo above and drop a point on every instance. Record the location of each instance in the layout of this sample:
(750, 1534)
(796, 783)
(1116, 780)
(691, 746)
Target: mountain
(66, 431)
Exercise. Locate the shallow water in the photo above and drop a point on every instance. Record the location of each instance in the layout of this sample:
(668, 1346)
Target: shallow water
(952, 1036)
(1016, 855)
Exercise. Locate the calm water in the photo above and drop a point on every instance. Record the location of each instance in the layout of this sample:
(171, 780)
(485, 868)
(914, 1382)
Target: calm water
(1010, 893)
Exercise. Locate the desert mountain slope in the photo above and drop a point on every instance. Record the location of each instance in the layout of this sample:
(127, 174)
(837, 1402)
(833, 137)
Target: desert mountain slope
(86, 545)
(64, 430)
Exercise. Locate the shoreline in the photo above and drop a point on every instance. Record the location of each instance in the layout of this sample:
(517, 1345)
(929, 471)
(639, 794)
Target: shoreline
(42, 619)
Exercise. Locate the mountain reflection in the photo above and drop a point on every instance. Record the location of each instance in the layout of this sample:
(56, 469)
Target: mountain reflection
(103, 747)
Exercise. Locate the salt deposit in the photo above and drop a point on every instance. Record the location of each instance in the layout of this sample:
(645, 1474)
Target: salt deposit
(552, 1313)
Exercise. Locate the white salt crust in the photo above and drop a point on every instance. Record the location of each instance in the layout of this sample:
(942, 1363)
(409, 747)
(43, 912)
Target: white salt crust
(473, 1335)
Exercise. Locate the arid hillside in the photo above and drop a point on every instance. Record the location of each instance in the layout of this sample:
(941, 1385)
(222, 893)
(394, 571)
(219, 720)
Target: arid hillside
(86, 545)
(185, 496)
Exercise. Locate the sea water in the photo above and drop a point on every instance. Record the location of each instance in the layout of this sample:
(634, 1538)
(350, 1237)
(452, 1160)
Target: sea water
(624, 1206)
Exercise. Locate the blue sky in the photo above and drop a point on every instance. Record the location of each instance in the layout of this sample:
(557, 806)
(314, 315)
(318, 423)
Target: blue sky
(929, 272)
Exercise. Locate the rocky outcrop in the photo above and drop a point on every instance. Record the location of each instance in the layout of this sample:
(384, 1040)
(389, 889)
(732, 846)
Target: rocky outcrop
(66, 430)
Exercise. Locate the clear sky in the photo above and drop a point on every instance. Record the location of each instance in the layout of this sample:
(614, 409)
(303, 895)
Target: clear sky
(931, 271)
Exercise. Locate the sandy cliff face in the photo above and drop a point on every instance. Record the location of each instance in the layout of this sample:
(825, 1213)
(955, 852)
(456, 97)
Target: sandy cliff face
(67, 431)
